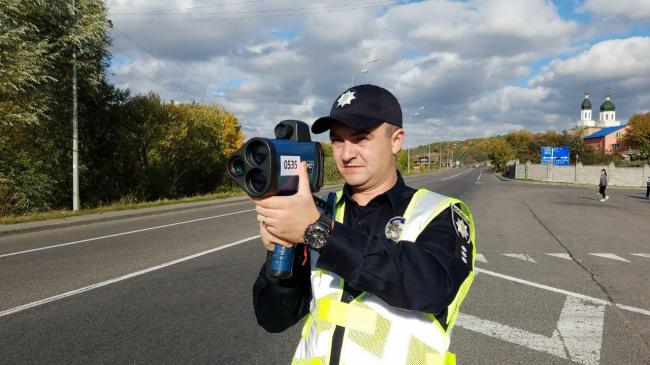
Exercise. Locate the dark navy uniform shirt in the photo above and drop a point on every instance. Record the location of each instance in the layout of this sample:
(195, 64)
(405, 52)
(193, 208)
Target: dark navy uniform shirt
(424, 275)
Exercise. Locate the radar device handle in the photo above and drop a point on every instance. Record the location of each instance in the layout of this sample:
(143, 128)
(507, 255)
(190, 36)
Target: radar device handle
(282, 262)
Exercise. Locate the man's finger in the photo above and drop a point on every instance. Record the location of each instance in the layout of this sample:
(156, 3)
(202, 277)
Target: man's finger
(264, 211)
(271, 202)
(303, 183)
(269, 237)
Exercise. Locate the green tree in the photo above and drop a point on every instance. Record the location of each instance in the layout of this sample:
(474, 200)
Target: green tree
(25, 64)
(36, 42)
(190, 156)
(638, 135)
(500, 152)
(523, 144)
(332, 175)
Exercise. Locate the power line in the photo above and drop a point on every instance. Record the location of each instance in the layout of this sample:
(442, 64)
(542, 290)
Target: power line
(262, 11)
(179, 73)
(157, 82)
(162, 11)
(295, 12)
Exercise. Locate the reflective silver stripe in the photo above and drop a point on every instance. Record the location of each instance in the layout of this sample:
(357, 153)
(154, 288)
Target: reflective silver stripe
(425, 209)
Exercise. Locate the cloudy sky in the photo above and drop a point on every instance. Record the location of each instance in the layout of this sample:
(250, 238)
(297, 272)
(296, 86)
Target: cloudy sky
(478, 68)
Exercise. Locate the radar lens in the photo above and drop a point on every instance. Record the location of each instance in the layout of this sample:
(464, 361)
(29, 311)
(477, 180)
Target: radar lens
(258, 152)
(283, 131)
(256, 181)
(237, 166)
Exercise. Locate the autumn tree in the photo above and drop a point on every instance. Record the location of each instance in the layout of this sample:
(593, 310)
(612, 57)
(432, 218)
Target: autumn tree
(191, 154)
(499, 151)
(523, 144)
(638, 134)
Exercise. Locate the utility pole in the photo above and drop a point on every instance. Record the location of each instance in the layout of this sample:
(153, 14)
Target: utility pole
(75, 124)
(429, 158)
(408, 161)
(453, 146)
(408, 158)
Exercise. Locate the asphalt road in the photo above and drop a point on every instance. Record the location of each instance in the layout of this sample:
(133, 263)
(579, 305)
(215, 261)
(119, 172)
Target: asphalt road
(562, 279)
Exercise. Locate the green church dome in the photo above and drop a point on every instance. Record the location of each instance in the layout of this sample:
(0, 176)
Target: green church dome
(607, 106)
(586, 104)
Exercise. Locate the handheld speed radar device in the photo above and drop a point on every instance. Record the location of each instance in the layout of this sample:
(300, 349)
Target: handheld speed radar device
(266, 167)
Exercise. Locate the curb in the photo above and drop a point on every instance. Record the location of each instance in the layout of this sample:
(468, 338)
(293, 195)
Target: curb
(501, 177)
(558, 183)
(9, 229)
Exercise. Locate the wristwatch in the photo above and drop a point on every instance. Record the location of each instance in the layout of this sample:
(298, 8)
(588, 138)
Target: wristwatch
(317, 233)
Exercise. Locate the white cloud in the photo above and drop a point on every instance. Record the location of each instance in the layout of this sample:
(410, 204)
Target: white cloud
(616, 59)
(621, 9)
(463, 61)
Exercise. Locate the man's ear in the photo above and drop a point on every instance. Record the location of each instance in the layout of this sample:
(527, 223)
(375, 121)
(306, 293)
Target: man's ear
(396, 140)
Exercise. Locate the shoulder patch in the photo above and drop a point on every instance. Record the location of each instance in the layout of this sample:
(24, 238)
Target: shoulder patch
(461, 223)
(463, 235)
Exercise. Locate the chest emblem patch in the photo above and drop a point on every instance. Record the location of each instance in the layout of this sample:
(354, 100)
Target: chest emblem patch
(394, 228)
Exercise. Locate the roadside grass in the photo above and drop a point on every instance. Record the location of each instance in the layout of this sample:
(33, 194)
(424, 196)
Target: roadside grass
(56, 214)
(128, 205)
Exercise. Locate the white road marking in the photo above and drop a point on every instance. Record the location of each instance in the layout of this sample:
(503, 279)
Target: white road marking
(453, 176)
(120, 278)
(480, 257)
(122, 233)
(581, 329)
(510, 334)
(420, 177)
(561, 255)
(562, 291)
(609, 256)
(479, 175)
(642, 254)
(519, 256)
(577, 337)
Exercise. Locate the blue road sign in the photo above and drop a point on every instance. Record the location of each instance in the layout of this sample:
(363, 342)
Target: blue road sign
(558, 155)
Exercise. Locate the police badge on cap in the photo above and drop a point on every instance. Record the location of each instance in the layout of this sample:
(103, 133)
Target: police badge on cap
(394, 227)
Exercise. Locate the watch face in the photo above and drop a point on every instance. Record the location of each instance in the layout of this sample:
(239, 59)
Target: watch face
(316, 236)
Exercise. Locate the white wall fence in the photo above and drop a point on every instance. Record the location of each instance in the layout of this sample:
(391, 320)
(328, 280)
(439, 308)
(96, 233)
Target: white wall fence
(579, 174)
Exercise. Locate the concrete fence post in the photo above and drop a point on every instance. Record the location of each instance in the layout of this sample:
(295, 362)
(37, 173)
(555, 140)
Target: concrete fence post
(528, 167)
(578, 171)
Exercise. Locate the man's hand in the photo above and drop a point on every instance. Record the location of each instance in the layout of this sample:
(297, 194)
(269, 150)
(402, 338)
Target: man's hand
(270, 240)
(285, 218)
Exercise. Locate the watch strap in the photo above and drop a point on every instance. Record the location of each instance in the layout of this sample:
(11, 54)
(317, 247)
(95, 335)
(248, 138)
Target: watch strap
(325, 222)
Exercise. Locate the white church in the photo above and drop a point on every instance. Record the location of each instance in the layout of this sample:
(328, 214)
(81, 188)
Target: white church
(606, 118)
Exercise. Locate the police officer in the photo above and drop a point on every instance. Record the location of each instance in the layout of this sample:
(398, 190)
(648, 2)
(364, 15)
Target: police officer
(382, 279)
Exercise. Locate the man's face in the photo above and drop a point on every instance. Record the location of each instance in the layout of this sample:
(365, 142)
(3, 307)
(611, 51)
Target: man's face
(365, 157)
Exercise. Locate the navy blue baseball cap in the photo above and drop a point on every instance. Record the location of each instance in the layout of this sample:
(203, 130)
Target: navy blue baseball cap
(362, 107)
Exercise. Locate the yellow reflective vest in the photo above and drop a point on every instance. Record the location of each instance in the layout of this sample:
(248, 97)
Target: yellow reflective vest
(375, 331)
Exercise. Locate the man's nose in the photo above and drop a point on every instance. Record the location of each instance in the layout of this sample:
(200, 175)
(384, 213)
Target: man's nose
(349, 151)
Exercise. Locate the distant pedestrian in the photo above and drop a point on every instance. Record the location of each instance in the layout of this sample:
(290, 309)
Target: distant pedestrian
(647, 189)
(602, 186)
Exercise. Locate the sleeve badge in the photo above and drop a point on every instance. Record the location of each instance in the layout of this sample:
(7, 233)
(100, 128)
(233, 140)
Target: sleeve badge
(463, 234)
